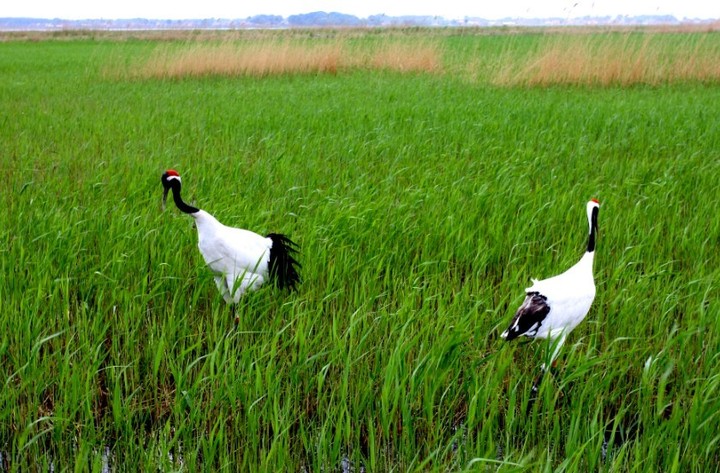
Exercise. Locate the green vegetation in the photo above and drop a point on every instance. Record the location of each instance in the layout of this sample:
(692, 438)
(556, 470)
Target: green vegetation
(423, 202)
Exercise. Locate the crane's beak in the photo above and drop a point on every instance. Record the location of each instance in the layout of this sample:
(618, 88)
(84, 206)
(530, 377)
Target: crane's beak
(165, 193)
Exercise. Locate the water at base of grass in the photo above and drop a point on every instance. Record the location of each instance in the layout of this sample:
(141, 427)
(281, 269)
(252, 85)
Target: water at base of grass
(107, 458)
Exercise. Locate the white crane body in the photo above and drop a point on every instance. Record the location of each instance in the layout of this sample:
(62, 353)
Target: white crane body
(241, 260)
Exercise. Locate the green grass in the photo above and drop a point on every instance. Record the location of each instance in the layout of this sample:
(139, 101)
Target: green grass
(423, 204)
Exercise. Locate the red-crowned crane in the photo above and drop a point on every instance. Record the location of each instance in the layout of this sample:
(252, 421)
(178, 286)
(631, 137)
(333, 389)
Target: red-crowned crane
(553, 307)
(241, 260)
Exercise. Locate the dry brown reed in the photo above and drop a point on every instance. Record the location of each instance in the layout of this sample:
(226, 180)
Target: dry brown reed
(230, 60)
(531, 58)
(406, 58)
(611, 60)
(283, 57)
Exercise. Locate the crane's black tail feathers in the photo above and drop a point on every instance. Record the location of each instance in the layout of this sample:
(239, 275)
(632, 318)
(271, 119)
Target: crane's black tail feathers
(283, 266)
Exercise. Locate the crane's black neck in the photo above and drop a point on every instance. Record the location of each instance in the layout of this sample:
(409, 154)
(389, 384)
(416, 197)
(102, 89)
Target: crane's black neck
(593, 230)
(188, 209)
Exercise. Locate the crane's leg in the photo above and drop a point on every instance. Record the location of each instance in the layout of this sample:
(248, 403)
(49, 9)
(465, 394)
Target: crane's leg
(223, 288)
(535, 390)
(555, 344)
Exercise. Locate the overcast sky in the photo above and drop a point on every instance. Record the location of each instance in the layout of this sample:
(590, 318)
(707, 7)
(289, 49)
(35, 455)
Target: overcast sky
(490, 9)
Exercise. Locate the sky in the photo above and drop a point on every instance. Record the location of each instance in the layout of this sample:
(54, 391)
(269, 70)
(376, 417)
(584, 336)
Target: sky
(450, 9)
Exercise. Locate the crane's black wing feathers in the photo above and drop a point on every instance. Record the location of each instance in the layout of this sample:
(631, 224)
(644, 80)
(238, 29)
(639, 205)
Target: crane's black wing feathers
(529, 317)
(283, 266)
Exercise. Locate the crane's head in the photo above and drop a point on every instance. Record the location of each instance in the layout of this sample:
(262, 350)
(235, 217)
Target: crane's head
(169, 179)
